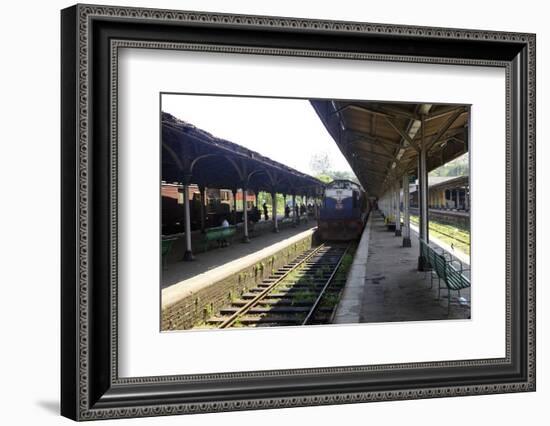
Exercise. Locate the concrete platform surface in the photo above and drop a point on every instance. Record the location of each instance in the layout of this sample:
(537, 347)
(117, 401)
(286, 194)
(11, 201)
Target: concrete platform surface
(197, 238)
(393, 288)
(350, 305)
(220, 258)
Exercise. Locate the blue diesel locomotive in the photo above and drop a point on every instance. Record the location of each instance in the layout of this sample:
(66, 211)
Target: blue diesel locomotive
(343, 212)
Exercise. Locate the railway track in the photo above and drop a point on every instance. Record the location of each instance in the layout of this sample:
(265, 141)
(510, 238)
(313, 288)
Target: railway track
(439, 231)
(302, 292)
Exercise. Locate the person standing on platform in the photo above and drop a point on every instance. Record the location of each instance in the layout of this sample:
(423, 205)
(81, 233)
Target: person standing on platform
(303, 211)
(223, 240)
(264, 206)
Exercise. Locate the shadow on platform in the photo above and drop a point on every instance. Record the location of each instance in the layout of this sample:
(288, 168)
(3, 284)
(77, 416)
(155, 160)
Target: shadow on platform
(391, 288)
(178, 270)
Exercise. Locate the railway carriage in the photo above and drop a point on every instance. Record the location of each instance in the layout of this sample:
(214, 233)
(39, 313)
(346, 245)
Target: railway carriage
(344, 211)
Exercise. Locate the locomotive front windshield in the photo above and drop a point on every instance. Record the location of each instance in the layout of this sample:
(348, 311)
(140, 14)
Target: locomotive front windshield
(338, 191)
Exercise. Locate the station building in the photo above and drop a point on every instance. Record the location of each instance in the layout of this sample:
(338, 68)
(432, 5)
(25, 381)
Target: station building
(445, 193)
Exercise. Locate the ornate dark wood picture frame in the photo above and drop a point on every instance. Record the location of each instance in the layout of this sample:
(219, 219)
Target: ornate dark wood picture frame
(91, 387)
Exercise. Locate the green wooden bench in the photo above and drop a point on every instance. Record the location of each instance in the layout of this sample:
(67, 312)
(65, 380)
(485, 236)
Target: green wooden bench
(166, 247)
(439, 264)
(389, 221)
(449, 271)
(429, 253)
(218, 234)
(425, 251)
(284, 222)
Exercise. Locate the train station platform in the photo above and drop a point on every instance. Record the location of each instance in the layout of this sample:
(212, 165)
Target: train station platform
(198, 238)
(384, 284)
(207, 262)
(193, 290)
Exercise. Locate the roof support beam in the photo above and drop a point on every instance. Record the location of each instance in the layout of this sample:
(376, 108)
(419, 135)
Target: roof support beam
(358, 135)
(396, 111)
(449, 133)
(445, 127)
(383, 111)
(368, 110)
(444, 111)
(402, 133)
(173, 155)
(367, 152)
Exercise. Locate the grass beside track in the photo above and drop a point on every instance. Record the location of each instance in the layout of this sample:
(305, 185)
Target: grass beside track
(459, 238)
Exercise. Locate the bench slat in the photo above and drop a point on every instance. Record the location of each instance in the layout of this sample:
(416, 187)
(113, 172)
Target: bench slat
(453, 278)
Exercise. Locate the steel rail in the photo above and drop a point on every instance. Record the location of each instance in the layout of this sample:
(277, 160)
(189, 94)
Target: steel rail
(325, 287)
(231, 320)
(448, 235)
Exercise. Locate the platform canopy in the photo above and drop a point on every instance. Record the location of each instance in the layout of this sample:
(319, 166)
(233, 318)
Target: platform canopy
(193, 154)
(382, 140)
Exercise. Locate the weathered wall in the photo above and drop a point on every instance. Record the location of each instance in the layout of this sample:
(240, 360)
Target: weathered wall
(195, 308)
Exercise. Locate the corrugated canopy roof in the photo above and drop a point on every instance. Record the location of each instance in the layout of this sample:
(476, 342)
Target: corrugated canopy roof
(204, 159)
(380, 140)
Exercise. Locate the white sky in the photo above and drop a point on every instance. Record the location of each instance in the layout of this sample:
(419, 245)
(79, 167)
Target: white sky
(285, 130)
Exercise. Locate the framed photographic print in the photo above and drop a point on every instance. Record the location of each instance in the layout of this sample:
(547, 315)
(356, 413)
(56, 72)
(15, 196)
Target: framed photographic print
(263, 212)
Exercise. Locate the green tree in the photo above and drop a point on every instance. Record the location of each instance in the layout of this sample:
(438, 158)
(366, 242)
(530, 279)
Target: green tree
(458, 167)
(324, 178)
(320, 163)
(338, 174)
